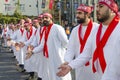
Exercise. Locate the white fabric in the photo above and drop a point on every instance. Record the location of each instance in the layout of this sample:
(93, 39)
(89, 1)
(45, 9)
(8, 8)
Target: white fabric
(31, 38)
(111, 54)
(4, 35)
(20, 38)
(73, 50)
(57, 41)
(13, 37)
(35, 62)
(29, 63)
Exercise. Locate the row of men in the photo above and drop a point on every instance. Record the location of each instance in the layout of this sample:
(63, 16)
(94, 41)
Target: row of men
(91, 47)
(29, 36)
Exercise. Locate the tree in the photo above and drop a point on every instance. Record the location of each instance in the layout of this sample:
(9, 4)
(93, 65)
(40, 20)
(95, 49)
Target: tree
(17, 12)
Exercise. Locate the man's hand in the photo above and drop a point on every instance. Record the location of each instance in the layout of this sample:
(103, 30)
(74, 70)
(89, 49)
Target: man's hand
(8, 38)
(30, 48)
(28, 55)
(17, 46)
(64, 69)
(22, 44)
(9, 43)
(65, 63)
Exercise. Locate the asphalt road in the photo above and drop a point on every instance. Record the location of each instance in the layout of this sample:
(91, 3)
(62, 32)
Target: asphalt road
(8, 69)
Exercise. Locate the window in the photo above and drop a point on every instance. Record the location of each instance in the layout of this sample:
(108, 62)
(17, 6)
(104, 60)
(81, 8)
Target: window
(22, 7)
(43, 3)
(8, 7)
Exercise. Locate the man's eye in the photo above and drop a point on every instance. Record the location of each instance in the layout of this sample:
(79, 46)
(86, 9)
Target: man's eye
(78, 12)
(101, 6)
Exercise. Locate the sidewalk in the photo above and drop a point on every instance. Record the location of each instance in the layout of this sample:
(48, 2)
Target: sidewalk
(8, 67)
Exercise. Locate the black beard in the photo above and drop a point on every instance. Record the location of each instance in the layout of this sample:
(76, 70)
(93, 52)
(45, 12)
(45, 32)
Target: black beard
(79, 21)
(46, 23)
(35, 26)
(104, 17)
(41, 24)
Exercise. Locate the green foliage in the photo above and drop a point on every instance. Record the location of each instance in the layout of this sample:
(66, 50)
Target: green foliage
(6, 19)
(17, 14)
(0, 15)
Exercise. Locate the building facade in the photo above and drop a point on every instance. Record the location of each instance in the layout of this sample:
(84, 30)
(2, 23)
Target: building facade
(26, 7)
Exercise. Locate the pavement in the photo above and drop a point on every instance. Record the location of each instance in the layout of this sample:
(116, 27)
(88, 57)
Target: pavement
(8, 69)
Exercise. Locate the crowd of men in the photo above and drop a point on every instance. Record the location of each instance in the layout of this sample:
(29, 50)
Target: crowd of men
(41, 46)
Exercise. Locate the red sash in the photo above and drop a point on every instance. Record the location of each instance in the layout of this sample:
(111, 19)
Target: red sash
(99, 54)
(35, 32)
(45, 49)
(5, 30)
(83, 41)
(22, 30)
(29, 35)
(41, 32)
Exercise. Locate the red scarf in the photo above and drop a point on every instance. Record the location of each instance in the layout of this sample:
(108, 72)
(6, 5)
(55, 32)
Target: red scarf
(83, 41)
(35, 32)
(22, 30)
(99, 54)
(41, 33)
(29, 35)
(5, 30)
(45, 49)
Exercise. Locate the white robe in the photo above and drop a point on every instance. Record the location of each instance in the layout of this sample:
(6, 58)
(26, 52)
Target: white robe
(5, 35)
(73, 50)
(27, 64)
(13, 39)
(111, 54)
(35, 61)
(56, 43)
(20, 38)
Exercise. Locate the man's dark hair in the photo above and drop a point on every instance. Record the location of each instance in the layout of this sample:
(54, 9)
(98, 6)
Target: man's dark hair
(118, 3)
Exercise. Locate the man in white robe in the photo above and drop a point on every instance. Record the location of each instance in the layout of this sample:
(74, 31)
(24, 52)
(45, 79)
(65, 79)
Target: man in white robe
(104, 42)
(78, 35)
(20, 37)
(35, 61)
(53, 45)
(4, 34)
(29, 39)
(13, 37)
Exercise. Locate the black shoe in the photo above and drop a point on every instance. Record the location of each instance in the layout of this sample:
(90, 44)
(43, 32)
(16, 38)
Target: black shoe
(39, 78)
(11, 50)
(30, 78)
(13, 57)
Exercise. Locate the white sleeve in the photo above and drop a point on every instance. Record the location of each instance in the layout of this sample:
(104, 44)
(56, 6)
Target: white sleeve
(84, 57)
(34, 42)
(62, 36)
(70, 53)
(39, 48)
(14, 36)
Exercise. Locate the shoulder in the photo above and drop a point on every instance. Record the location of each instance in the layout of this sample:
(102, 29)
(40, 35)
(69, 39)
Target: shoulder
(58, 27)
(76, 28)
